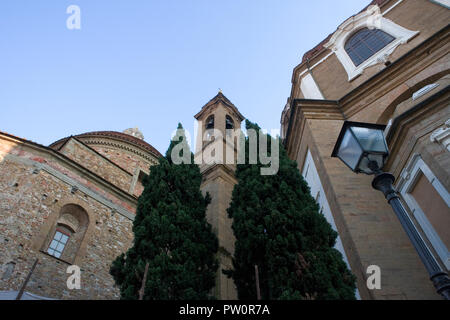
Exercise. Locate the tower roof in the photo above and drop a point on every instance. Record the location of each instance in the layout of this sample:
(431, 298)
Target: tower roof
(220, 97)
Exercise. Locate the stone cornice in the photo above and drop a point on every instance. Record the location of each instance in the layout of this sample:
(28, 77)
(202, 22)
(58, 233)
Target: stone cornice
(119, 145)
(224, 171)
(401, 124)
(319, 109)
(303, 109)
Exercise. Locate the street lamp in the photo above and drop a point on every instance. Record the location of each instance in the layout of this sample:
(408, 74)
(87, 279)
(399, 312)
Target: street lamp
(363, 148)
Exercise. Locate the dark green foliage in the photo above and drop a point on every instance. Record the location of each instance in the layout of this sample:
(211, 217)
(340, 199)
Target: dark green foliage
(278, 227)
(172, 235)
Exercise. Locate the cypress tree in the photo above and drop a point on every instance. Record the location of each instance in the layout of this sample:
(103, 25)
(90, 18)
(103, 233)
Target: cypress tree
(172, 238)
(278, 227)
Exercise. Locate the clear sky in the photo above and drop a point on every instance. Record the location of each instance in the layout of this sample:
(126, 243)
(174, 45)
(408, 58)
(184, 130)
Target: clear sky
(151, 64)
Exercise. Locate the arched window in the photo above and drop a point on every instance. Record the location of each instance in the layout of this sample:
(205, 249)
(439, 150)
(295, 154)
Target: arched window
(210, 123)
(209, 128)
(229, 123)
(66, 236)
(365, 43)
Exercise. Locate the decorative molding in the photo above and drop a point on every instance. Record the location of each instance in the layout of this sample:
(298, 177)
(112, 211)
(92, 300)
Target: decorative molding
(123, 146)
(319, 109)
(395, 4)
(419, 93)
(309, 88)
(406, 183)
(316, 64)
(370, 18)
(442, 135)
(329, 54)
(444, 3)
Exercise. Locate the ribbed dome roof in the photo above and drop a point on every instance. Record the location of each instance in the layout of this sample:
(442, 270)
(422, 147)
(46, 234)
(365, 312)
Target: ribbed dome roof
(114, 135)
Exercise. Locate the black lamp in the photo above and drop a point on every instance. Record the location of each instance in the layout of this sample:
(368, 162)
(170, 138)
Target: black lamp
(363, 148)
(361, 145)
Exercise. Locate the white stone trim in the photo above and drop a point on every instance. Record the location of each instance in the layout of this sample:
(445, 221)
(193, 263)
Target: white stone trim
(388, 127)
(406, 182)
(442, 135)
(444, 3)
(309, 88)
(370, 18)
(311, 176)
(423, 91)
(395, 4)
(329, 54)
(315, 65)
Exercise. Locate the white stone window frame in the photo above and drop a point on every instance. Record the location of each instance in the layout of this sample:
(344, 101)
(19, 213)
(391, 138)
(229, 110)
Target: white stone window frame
(442, 135)
(406, 183)
(311, 176)
(444, 3)
(370, 18)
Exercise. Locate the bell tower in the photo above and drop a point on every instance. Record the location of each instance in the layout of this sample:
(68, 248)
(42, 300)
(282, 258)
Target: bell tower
(216, 157)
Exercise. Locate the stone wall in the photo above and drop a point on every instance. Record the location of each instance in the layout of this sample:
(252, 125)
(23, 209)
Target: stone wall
(91, 160)
(32, 195)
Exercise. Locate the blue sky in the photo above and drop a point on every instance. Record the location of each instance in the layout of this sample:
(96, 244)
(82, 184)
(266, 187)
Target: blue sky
(151, 64)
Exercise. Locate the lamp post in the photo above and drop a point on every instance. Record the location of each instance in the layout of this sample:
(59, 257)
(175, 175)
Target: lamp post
(363, 148)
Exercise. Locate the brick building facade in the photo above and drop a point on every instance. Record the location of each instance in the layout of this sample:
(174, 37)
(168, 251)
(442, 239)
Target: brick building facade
(388, 64)
(79, 193)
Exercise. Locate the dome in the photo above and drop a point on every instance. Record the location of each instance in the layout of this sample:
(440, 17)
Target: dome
(132, 137)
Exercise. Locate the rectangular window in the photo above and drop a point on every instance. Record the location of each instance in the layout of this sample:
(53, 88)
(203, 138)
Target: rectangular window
(58, 243)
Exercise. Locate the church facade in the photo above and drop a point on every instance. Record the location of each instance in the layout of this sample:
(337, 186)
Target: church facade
(388, 64)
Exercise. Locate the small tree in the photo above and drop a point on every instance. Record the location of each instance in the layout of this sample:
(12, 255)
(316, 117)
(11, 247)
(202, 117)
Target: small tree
(278, 227)
(174, 247)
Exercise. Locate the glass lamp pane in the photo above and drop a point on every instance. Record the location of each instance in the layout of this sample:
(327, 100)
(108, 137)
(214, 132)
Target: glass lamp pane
(372, 140)
(349, 150)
